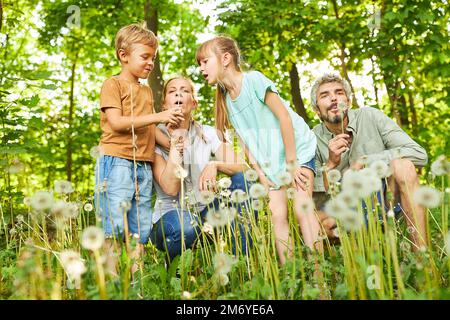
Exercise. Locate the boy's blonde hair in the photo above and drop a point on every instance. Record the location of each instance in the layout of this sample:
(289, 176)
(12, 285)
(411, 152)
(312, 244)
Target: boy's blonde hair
(134, 33)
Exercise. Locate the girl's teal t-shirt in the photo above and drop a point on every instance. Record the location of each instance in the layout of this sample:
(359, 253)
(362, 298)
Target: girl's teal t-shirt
(259, 128)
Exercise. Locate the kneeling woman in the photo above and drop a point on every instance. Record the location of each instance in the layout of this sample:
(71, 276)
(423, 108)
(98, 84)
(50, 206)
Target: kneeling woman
(192, 146)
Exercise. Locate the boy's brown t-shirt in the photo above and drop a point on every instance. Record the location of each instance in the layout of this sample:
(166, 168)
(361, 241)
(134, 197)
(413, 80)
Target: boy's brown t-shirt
(115, 93)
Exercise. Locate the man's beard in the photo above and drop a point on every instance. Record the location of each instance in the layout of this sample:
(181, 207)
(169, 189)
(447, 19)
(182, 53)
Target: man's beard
(333, 119)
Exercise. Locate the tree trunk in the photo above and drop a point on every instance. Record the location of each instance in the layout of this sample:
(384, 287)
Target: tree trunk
(155, 80)
(296, 93)
(412, 109)
(1, 15)
(342, 58)
(70, 119)
(391, 89)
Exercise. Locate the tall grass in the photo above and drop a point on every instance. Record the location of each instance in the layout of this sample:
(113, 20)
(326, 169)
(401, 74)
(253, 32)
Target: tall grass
(375, 262)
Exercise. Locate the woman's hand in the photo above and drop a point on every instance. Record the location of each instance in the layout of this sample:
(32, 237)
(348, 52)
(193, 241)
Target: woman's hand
(176, 149)
(207, 180)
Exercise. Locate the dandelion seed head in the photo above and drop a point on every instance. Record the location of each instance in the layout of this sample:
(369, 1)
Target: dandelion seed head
(60, 211)
(180, 173)
(381, 169)
(257, 205)
(95, 152)
(27, 201)
(251, 175)
(16, 166)
(92, 238)
(223, 263)
(447, 243)
(334, 176)
(125, 205)
(285, 178)
(348, 198)
(215, 218)
(88, 207)
(186, 295)
(223, 279)
(351, 220)
(207, 228)
(335, 207)
(306, 205)
(257, 190)
(290, 193)
(63, 187)
(225, 193)
(239, 196)
(390, 213)
(224, 183)
(206, 197)
(72, 263)
(440, 166)
(42, 200)
(427, 197)
(291, 165)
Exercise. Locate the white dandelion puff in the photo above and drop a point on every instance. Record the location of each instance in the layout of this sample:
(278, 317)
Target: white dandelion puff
(224, 183)
(239, 196)
(285, 178)
(351, 220)
(334, 176)
(27, 201)
(447, 243)
(16, 166)
(63, 187)
(215, 218)
(356, 183)
(427, 197)
(290, 192)
(186, 295)
(335, 207)
(257, 205)
(95, 152)
(206, 197)
(251, 175)
(306, 205)
(92, 238)
(440, 166)
(381, 169)
(207, 228)
(390, 213)
(125, 205)
(74, 210)
(88, 207)
(180, 173)
(291, 165)
(225, 193)
(349, 198)
(223, 279)
(342, 106)
(223, 263)
(72, 263)
(41, 200)
(257, 190)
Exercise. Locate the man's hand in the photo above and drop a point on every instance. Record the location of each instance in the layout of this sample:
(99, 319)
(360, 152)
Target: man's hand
(207, 180)
(336, 147)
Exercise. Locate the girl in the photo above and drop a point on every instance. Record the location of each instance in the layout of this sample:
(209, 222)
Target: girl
(270, 130)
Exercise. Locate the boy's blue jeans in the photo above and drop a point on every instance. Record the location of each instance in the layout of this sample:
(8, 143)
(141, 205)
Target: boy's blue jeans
(168, 228)
(115, 186)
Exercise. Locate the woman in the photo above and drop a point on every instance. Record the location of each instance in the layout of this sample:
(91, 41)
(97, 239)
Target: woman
(190, 160)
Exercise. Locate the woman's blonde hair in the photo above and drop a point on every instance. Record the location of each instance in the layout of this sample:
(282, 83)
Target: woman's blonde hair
(219, 46)
(134, 33)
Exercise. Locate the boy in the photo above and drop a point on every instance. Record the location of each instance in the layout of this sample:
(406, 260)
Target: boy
(124, 176)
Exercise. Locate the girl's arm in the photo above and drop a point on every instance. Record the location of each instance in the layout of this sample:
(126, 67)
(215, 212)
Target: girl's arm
(273, 101)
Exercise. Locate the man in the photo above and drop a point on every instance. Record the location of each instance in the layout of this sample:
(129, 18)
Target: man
(349, 139)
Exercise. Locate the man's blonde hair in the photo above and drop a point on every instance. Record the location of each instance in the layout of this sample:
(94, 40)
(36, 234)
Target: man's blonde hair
(134, 33)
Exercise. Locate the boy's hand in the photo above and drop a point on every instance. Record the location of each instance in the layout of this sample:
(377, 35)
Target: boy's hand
(172, 116)
(207, 180)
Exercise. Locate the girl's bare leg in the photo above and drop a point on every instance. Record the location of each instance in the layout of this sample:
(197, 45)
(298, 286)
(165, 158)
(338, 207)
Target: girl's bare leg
(278, 207)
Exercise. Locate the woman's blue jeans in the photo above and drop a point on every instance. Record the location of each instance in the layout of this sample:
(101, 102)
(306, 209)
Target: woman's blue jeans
(166, 233)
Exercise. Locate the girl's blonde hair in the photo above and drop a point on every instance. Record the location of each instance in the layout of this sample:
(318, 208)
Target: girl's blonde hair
(134, 33)
(197, 126)
(219, 46)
